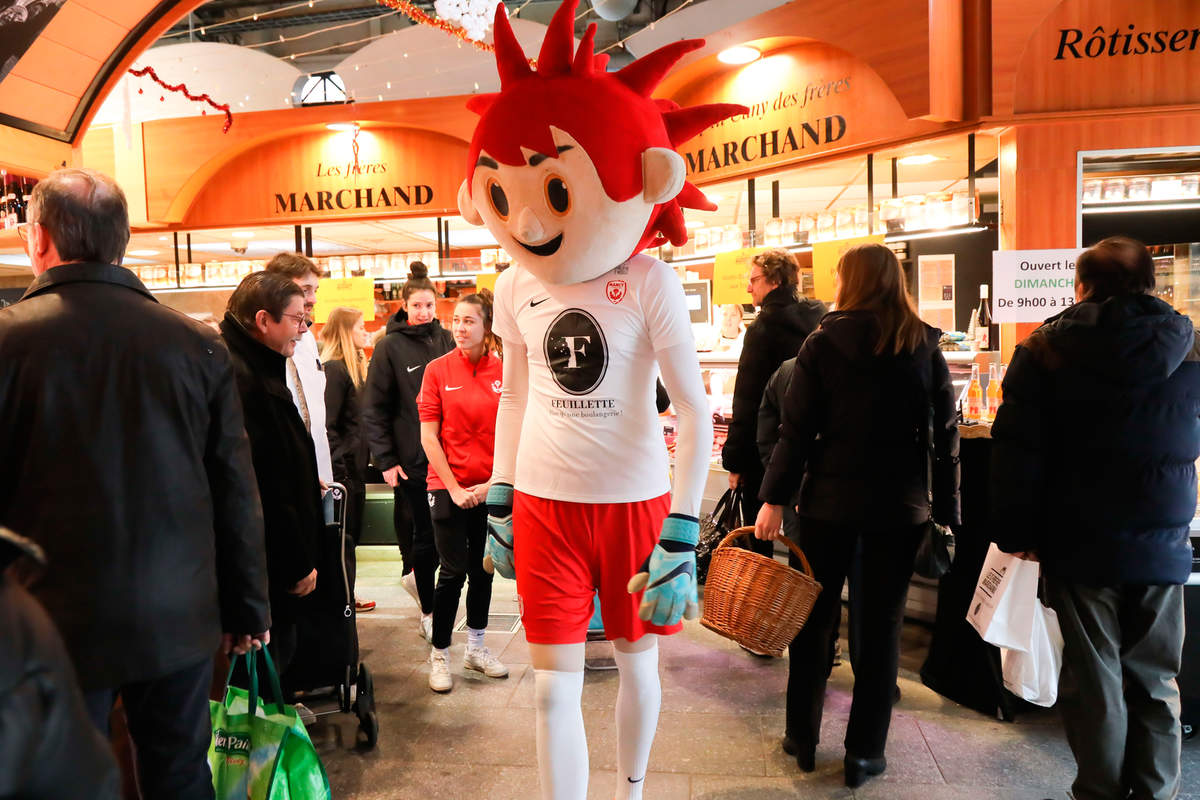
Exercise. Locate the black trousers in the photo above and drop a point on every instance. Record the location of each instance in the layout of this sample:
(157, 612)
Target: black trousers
(414, 535)
(170, 726)
(878, 563)
(460, 534)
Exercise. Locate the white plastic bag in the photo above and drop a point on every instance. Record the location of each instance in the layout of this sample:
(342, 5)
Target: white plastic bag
(1002, 609)
(1033, 675)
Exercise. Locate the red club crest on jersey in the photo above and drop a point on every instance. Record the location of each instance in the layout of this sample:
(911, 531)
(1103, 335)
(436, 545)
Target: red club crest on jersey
(615, 291)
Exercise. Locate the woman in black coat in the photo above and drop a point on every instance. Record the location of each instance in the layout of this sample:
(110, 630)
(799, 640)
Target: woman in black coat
(414, 338)
(856, 420)
(343, 342)
(262, 324)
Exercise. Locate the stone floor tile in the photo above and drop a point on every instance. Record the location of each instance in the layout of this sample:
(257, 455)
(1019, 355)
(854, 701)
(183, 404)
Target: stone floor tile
(479, 737)
(659, 786)
(986, 753)
(712, 744)
(809, 787)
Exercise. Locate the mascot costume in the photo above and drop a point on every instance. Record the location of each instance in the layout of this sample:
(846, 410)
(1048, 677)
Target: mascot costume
(574, 171)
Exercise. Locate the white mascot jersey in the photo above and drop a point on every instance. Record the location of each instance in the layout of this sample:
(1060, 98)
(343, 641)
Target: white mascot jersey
(591, 432)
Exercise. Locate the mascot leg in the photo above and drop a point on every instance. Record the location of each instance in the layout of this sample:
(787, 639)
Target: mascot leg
(638, 701)
(561, 742)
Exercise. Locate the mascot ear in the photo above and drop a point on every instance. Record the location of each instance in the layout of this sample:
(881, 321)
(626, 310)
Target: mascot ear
(467, 208)
(663, 174)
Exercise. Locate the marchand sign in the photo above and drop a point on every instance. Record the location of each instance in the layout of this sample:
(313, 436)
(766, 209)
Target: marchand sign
(767, 144)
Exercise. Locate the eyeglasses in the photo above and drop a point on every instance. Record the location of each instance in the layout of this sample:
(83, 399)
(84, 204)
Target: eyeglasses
(299, 319)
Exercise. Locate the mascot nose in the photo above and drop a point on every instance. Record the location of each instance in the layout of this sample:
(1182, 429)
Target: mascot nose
(529, 228)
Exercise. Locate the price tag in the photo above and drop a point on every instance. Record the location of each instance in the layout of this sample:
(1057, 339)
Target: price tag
(825, 259)
(1032, 285)
(349, 292)
(731, 273)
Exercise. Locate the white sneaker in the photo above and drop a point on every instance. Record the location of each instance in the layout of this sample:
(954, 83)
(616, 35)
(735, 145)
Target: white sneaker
(481, 659)
(409, 582)
(439, 672)
(427, 628)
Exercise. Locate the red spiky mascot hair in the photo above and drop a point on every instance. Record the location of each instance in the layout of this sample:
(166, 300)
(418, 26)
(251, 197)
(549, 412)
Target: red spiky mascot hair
(611, 115)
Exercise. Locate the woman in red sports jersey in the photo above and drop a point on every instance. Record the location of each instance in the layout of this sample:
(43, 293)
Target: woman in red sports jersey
(457, 407)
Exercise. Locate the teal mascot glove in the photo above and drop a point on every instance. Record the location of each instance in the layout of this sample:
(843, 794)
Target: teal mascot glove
(498, 553)
(669, 574)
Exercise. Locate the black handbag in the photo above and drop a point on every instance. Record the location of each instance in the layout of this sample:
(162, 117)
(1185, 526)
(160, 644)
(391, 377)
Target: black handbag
(725, 517)
(935, 554)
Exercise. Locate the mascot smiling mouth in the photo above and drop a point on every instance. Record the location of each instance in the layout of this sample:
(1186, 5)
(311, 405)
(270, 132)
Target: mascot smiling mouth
(545, 248)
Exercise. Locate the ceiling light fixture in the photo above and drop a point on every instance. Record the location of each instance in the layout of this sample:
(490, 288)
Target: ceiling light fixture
(910, 161)
(342, 126)
(242, 234)
(141, 253)
(742, 54)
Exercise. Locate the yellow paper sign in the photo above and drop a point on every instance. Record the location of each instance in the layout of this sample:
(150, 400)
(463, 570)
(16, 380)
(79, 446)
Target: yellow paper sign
(348, 292)
(731, 273)
(486, 280)
(825, 260)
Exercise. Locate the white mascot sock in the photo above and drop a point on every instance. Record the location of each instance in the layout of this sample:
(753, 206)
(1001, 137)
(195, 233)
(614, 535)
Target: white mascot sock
(638, 701)
(561, 741)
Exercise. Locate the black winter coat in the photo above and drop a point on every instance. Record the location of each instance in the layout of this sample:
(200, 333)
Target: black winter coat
(1094, 446)
(775, 336)
(854, 429)
(123, 454)
(343, 424)
(49, 747)
(285, 463)
(393, 383)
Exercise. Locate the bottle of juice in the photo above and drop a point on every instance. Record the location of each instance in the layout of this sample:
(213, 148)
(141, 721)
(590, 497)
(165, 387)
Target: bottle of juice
(974, 410)
(993, 392)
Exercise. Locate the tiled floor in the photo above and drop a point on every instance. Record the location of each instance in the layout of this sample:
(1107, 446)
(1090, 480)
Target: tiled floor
(718, 737)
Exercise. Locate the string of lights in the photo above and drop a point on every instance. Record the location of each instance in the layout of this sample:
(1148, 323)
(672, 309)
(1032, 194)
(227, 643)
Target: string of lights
(298, 37)
(252, 17)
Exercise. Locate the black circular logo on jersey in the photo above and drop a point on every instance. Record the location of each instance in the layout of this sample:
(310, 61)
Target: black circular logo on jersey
(576, 351)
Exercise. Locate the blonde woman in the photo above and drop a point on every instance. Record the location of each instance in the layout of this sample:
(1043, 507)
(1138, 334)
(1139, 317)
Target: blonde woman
(343, 341)
(865, 390)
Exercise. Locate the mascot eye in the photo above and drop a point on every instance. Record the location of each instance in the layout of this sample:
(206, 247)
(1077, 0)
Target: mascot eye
(557, 195)
(498, 197)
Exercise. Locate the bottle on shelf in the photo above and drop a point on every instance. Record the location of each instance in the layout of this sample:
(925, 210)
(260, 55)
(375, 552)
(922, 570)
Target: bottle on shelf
(993, 392)
(983, 321)
(974, 409)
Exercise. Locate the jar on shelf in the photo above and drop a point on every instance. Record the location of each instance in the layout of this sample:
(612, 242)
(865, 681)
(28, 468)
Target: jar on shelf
(960, 209)
(773, 235)
(336, 270)
(1189, 185)
(701, 238)
(1114, 189)
(891, 214)
(351, 265)
(731, 238)
(1137, 189)
(806, 224)
(1166, 187)
(937, 210)
(914, 212)
(193, 274)
(843, 223)
(1093, 190)
(826, 225)
(862, 221)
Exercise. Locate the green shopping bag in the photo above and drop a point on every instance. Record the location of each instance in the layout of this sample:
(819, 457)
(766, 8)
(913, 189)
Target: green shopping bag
(260, 750)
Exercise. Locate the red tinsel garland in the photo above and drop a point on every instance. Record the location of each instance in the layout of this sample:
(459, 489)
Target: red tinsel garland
(182, 88)
(421, 18)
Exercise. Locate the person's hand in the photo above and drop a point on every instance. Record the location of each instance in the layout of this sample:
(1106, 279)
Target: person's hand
(498, 552)
(394, 475)
(324, 486)
(1027, 555)
(735, 480)
(480, 491)
(240, 645)
(769, 524)
(305, 585)
(463, 498)
(668, 575)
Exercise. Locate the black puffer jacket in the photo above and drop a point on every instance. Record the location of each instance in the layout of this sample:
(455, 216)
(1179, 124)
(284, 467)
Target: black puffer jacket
(1094, 447)
(775, 336)
(124, 456)
(285, 464)
(390, 419)
(854, 428)
(343, 423)
(49, 747)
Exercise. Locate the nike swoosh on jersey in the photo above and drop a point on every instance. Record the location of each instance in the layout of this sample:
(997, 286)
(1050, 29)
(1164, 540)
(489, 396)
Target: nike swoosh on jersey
(414, 369)
(453, 388)
(533, 303)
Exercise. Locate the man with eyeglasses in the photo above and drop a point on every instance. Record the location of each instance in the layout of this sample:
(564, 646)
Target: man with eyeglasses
(126, 460)
(263, 322)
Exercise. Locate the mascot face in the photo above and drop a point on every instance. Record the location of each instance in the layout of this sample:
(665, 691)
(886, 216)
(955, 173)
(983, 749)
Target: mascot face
(573, 169)
(553, 215)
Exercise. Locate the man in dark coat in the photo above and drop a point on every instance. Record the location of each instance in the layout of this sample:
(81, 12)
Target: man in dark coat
(126, 460)
(264, 320)
(783, 323)
(1094, 452)
(48, 745)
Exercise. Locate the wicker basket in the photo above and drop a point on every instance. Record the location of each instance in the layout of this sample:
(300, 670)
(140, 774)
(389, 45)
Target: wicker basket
(756, 601)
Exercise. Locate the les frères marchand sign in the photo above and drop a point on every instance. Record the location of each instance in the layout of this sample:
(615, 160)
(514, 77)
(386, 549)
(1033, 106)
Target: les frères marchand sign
(378, 193)
(773, 140)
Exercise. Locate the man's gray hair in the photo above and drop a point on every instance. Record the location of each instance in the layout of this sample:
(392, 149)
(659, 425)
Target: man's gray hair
(85, 214)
